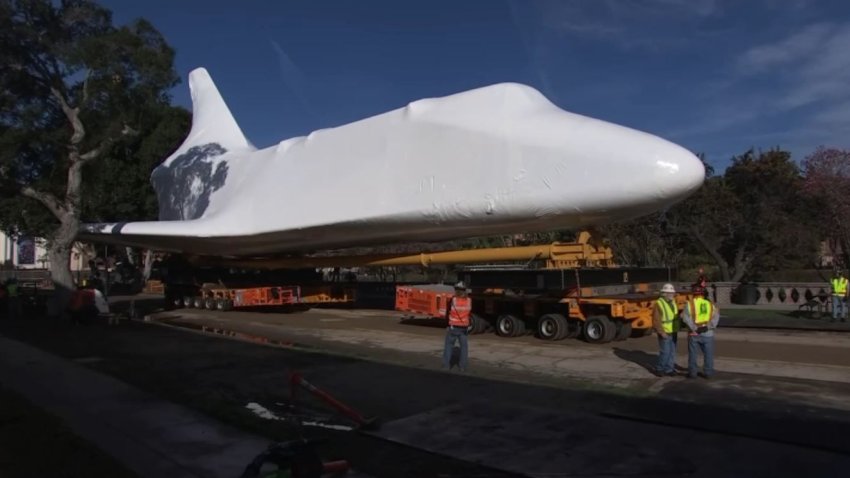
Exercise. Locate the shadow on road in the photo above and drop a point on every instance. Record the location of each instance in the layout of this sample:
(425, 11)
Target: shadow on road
(424, 322)
(645, 360)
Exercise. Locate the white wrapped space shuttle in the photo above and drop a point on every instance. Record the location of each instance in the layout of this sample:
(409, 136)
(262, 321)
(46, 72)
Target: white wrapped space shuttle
(495, 160)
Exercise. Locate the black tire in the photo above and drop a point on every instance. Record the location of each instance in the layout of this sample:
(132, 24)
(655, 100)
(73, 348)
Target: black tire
(177, 302)
(188, 302)
(219, 304)
(477, 324)
(209, 303)
(624, 330)
(509, 326)
(598, 329)
(521, 327)
(228, 305)
(199, 303)
(552, 327)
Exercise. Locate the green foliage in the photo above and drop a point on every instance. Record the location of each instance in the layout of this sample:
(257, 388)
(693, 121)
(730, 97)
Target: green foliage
(752, 219)
(72, 83)
(78, 95)
(118, 188)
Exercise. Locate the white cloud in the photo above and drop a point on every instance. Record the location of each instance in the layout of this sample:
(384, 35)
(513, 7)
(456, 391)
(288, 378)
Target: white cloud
(293, 77)
(836, 114)
(805, 83)
(812, 65)
(795, 48)
(628, 23)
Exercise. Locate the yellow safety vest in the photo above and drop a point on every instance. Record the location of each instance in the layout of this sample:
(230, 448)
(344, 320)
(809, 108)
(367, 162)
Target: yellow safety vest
(704, 310)
(668, 315)
(839, 287)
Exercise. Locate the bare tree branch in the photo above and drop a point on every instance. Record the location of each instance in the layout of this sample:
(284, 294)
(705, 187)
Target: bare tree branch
(106, 144)
(73, 115)
(48, 200)
(712, 251)
(85, 90)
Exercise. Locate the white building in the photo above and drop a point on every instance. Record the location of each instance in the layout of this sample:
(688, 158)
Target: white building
(29, 253)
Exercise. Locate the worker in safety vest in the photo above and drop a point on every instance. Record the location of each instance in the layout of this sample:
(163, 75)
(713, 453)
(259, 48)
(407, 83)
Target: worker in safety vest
(700, 287)
(701, 317)
(13, 298)
(839, 296)
(458, 313)
(665, 321)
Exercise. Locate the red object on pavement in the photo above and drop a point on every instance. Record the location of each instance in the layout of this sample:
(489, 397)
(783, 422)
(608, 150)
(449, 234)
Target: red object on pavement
(296, 379)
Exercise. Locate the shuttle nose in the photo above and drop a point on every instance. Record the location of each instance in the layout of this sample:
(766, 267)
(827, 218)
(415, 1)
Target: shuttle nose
(677, 172)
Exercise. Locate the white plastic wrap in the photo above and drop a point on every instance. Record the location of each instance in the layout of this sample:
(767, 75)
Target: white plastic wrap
(494, 160)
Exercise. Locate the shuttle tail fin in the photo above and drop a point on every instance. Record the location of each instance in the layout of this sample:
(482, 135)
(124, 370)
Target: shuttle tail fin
(212, 121)
(186, 180)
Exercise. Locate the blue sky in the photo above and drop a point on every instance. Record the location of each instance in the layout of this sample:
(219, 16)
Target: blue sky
(716, 76)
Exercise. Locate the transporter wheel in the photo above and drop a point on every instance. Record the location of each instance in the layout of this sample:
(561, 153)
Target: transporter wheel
(552, 327)
(199, 302)
(477, 324)
(177, 302)
(188, 301)
(227, 305)
(624, 330)
(509, 326)
(219, 304)
(209, 303)
(599, 329)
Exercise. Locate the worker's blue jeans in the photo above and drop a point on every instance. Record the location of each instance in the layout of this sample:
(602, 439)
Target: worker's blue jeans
(705, 344)
(666, 354)
(839, 307)
(452, 334)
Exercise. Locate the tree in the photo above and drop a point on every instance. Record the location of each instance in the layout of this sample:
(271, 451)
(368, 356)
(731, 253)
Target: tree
(119, 187)
(751, 217)
(644, 242)
(72, 87)
(827, 181)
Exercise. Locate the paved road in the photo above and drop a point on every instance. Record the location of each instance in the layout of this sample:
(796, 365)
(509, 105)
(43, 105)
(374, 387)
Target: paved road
(526, 407)
(789, 354)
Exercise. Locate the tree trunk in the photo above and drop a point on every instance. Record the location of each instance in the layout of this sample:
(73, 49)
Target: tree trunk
(59, 252)
(148, 264)
(714, 253)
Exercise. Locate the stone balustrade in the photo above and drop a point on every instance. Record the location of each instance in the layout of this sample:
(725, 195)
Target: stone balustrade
(778, 295)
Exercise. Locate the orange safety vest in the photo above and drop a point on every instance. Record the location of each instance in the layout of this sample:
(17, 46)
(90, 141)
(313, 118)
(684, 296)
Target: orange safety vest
(461, 309)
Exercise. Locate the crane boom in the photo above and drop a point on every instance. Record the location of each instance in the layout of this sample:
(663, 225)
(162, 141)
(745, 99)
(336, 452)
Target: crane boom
(557, 255)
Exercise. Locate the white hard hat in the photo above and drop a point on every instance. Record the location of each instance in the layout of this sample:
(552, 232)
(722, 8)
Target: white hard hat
(460, 285)
(668, 288)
